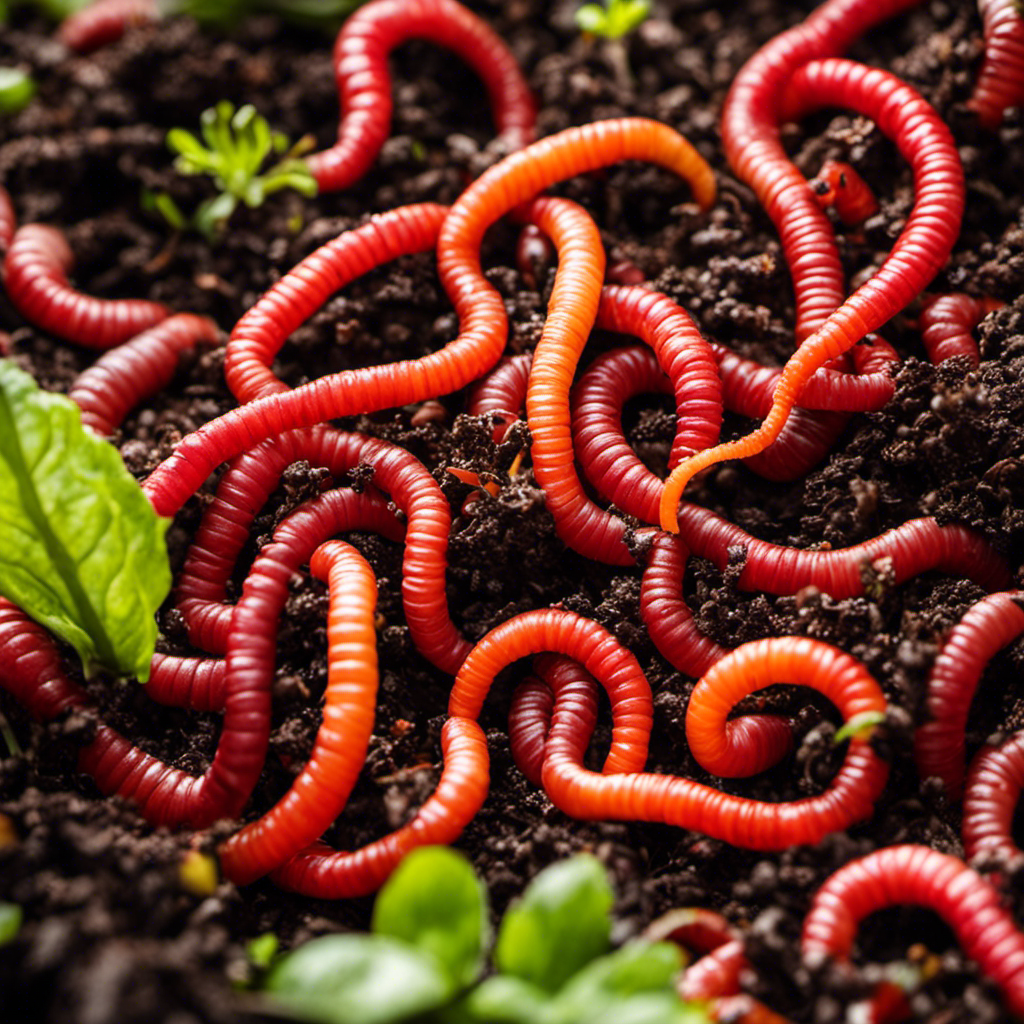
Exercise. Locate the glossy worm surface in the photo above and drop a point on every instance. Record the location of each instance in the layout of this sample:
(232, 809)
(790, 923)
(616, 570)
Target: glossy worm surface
(364, 85)
(939, 745)
(126, 375)
(502, 393)
(946, 323)
(36, 278)
(642, 796)
(104, 22)
(991, 795)
(919, 252)
(922, 876)
(1001, 80)
(839, 185)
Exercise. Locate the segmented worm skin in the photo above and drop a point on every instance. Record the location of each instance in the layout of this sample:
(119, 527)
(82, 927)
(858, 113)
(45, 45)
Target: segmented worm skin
(1000, 83)
(502, 393)
(987, 627)
(917, 546)
(187, 682)
(642, 796)
(839, 185)
(248, 483)
(121, 378)
(364, 86)
(946, 323)
(264, 328)
(36, 278)
(8, 220)
(573, 306)
(991, 794)
(322, 788)
(715, 974)
(919, 252)
(324, 873)
(922, 876)
(104, 22)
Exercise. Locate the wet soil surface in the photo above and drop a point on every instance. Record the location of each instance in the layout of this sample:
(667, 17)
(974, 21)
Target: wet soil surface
(110, 934)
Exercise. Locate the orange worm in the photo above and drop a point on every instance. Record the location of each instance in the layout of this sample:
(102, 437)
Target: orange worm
(839, 185)
(919, 252)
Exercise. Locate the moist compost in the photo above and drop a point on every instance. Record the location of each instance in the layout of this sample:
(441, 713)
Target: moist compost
(110, 935)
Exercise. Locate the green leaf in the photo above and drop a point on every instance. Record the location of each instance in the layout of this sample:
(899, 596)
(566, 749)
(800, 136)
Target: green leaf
(592, 18)
(16, 90)
(638, 967)
(560, 924)
(357, 979)
(10, 922)
(262, 950)
(212, 214)
(83, 552)
(502, 999)
(626, 15)
(435, 902)
(860, 726)
(187, 145)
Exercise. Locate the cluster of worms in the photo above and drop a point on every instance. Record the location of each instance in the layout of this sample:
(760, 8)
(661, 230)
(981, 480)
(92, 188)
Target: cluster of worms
(582, 461)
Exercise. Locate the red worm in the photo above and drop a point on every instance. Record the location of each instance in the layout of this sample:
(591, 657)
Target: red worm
(324, 873)
(917, 546)
(8, 220)
(987, 627)
(642, 796)
(104, 22)
(36, 277)
(946, 323)
(360, 67)
(248, 483)
(918, 254)
(1001, 81)
(839, 185)
(322, 788)
(139, 369)
(991, 794)
(265, 327)
(502, 393)
(184, 682)
(918, 875)
(695, 929)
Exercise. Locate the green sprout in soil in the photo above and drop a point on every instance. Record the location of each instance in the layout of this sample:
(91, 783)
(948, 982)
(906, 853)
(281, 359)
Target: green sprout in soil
(617, 18)
(16, 90)
(237, 144)
(427, 953)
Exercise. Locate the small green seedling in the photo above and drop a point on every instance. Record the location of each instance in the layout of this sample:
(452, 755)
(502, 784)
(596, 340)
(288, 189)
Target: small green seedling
(614, 20)
(16, 90)
(237, 144)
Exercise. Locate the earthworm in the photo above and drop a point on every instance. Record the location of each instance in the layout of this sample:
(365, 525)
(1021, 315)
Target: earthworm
(1001, 81)
(187, 682)
(696, 929)
(534, 255)
(324, 873)
(478, 305)
(138, 369)
(641, 796)
(839, 185)
(104, 22)
(36, 278)
(248, 483)
(8, 220)
(919, 875)
(715, 974)
(364, 85)
(322, 788)
(946, 323)
(993, 788)
(987, 627)
(919, 252)
(502, 393)
(265, 327)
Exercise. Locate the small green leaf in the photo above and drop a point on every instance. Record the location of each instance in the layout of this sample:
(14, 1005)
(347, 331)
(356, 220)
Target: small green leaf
(592, 18)
(357, 979)
(860, 726)
(10, 922)
(262, 950)
(560, 924)
(502, 999)
(435, 902)
(638, 967)
(626, 15)
(16, 90)
(211, 215)
(84, 552)
(187, 145)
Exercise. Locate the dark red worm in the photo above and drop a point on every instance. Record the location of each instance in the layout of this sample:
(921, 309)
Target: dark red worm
(187, 682)
(104, 22)
(696, 929)
(8, 220)
(502, 393)
(1001, 81)
(991, 794)
(641, 796)
(939, 743)
(922, 876)
(265, 327)
(946, 323)
(121, 378)
(840, 186)
(364, 85)
(36, 278)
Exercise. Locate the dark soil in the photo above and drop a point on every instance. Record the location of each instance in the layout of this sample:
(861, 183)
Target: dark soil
(111, 936)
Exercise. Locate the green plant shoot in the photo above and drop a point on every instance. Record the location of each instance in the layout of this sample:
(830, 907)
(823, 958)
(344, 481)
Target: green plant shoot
(614, 20)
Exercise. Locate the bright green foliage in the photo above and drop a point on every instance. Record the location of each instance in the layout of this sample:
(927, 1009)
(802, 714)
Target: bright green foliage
(262, 950)
(860, 725)
(10, 922)
(16, 90)
(424, 961)
(614, 20)
(83, 550)
(237, 144)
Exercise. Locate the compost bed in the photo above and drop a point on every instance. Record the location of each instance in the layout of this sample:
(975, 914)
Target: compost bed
(109, 934)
